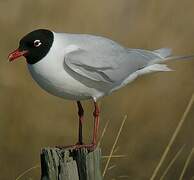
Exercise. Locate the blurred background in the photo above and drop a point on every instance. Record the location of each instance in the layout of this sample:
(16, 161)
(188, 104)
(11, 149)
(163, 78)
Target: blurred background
(154, 104)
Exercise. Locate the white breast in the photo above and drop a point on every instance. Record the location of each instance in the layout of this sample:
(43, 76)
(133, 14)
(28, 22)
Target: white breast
(49, 73)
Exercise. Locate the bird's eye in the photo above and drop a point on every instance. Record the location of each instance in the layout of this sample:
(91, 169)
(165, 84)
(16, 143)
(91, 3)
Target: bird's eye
(37, 43)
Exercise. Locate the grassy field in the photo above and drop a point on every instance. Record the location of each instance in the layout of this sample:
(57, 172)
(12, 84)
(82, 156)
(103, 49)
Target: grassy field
(156, 138)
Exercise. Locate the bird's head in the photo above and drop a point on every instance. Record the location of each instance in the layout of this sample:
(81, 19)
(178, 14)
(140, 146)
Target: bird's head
(33, 46)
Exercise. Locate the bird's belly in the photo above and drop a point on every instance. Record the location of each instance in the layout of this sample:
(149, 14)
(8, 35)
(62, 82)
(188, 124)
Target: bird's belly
(61, 84)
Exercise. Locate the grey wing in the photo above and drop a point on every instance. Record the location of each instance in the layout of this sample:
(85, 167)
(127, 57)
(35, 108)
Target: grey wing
(90, 65)
(108, 63)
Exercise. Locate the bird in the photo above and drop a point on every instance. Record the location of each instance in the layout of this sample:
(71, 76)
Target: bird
(81, 67)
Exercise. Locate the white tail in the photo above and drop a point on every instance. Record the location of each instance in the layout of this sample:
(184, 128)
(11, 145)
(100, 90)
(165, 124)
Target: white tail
(154, 68)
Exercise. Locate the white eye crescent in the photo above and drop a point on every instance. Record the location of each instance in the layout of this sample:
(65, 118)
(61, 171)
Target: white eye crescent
(37, 43)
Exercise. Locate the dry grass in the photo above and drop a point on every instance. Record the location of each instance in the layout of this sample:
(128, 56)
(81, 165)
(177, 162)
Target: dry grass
(180, 124)
(172, 162)
(103, 132)
(115, 156)
(114, 145)
(27, 171)
(186, 164)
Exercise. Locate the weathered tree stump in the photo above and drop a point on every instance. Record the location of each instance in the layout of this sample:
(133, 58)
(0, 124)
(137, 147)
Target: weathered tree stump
(70, 164)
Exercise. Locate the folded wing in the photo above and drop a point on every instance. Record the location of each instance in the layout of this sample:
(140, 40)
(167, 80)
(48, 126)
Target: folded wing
(106, 61)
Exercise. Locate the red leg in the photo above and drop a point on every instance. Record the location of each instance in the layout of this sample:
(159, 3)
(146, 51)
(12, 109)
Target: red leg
(95, 130)
(81, 118)
(96, 123)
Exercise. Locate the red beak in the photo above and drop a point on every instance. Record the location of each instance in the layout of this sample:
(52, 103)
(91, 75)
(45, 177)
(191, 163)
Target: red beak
(16, 54)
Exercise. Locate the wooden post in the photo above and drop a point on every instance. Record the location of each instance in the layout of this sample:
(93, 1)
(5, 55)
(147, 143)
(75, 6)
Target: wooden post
(70, 164)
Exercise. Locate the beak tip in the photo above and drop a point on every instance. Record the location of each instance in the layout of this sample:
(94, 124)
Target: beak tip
(10, 58)
(16, 54)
